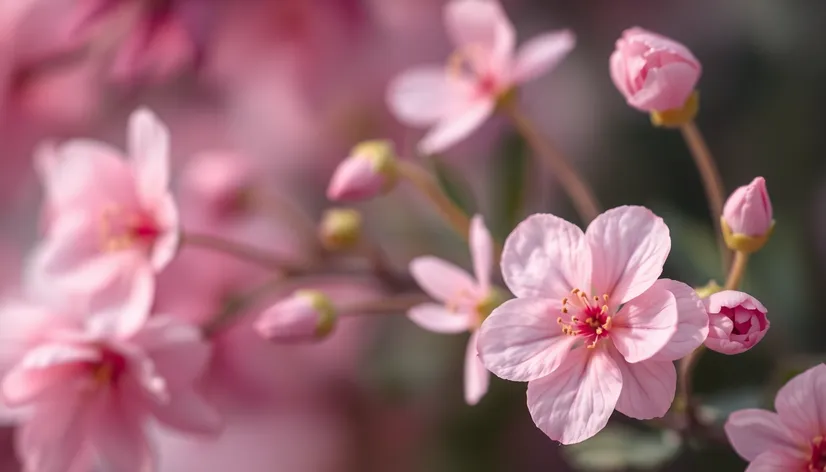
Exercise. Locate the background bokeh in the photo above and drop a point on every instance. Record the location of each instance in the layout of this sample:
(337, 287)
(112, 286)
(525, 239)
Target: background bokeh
(288, 86)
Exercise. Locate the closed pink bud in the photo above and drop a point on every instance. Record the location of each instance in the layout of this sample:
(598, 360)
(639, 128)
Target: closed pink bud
(369, 171)
(654, 73)
(748, 211)
(307, 315)
(737, 321)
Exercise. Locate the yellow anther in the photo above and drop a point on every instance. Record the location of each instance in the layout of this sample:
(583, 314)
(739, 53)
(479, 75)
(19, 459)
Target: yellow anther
(605, 297)
(599, 331)
(604, 310)
(559, 320)
(607, 324)
(565, 301)
(575, 291)
(596, 298)
(574, 319)
(564, 309)
(589, 320)
(817, 441)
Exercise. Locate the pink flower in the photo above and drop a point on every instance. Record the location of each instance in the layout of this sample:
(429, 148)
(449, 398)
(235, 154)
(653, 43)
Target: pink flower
(368, 172)
(457, 98)
(654, 73)
(737, 321)
(592, 328)
(791, 439)
(748, 211)
(466, 301)
(307, 315)
(89, 390)
(108, 218)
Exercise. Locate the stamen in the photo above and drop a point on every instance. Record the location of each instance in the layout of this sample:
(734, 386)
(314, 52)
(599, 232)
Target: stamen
(607, 324)
(605, 297)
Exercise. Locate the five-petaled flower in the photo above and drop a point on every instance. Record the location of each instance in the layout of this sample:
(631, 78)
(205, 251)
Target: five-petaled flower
(466, 301)
(592, 328)
(457, 98)
(793, 438)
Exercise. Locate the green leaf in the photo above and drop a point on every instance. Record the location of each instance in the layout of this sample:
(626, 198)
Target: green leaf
(508, 184)
(455, 186)
(619, 447)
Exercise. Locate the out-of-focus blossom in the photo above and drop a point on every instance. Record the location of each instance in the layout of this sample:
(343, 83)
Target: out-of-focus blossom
(747, 220)
(457, 98)
(592, 329)
(370, 170)
(653, 72)
(108, 218)
(340, 228)
(466, 300)
(308, 315)
(737, 321)
(791, 439)
(88, 389)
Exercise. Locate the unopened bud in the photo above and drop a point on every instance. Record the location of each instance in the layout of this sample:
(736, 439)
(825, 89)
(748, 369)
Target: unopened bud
(369, 171)
(737, 321)
(307, 315)
(747, 217)
(340, 228)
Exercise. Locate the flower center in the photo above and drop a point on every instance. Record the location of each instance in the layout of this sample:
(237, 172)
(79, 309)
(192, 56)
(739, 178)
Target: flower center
(587, 317)
(465, 64)
(122, 229)
(817, 461)
(109, 369)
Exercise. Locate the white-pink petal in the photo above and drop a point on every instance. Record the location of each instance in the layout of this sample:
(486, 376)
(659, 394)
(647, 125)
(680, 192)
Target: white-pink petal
(629, 245)
(481, 251)
(801, 403)
(46, 369)
(521, 340)
(546, 256)
(166, 245)
(645, 325)
(752, 432)
(149, 151)
(777, 461)
(481, 27)
(666, 88)
(121, 306)
(648, 388)
(477, 377)
(575, 402)
(118, 439)
(421, 96)
(439, 319)
(456, 126)
(442, 280)
(692, 321)
(542, 53)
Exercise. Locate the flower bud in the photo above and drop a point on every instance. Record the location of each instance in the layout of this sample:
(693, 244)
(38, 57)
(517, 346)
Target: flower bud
(340, 228)
(654, 73)
(747, 217)
(305, 316)
(737, 321)
(369, 171)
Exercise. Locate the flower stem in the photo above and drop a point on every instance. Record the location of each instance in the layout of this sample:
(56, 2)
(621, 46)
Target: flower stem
(240, 251)
(738, 270)
(712, 182)
(580, 193)
(427, 185)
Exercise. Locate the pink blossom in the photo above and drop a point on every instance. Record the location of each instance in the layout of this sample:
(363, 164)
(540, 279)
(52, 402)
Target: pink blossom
(457, 98)
(88, 390)
(748, 211)
(791, 439)
(368, 172)
(108, 218)
(653, 72)
(465, 301)
(591, 329)
(307, 315)
(737, 321)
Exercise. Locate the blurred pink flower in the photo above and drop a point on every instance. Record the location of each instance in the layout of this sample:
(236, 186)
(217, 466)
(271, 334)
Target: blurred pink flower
(653, 72)
(369, 171)
(748, 211)
(466, 301)
(87, 389)
(592, 328)
(791, 439)
(737, 321)
(457, 98)
(108, 218)
(306, 315)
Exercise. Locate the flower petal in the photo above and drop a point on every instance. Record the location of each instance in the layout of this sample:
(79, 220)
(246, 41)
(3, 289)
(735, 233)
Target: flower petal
(777, 460)
(542, 53)
(477, 377)
(801, 403)
(752, 432)
(440, 279)
(546, 256)
(645, 324)
(692, 321)
(439, 319)
(456, 126)
(629, 245)
(420, 96)
(481, 251)
(119, 440)
(575, 402)
(648, 388)
(521, 340)
(149, 151)
(122, 306)
(45, 369)
(166, 246)
(481, 27)
(666, 88)
(53, 439)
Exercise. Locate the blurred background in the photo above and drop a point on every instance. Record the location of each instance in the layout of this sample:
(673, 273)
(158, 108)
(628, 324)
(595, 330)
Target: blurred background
(273, 93)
